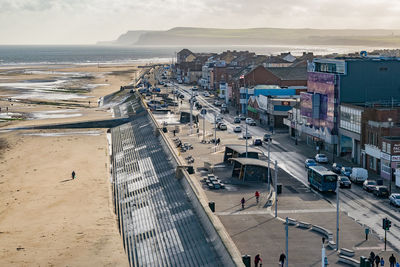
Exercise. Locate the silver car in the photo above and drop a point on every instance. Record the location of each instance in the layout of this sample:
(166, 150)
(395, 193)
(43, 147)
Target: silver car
(394, 199)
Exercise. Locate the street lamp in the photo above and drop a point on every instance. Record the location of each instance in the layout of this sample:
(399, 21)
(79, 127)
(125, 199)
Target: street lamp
(390, 159)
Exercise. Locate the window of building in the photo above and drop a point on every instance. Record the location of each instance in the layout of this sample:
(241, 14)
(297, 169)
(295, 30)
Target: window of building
(384, 146)
(385, 166)
(350, 119)
(389, 148)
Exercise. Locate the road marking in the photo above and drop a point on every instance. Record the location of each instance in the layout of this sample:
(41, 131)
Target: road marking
(307, 211)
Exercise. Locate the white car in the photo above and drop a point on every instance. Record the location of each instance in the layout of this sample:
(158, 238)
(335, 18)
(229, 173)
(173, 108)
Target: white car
(217, 103)
(237, 129)
(206, 94)
(250, 122)
(321, 158)
(223, 127)
(394, 199)
(247, 136)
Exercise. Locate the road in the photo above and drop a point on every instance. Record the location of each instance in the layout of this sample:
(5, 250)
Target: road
(363, 207)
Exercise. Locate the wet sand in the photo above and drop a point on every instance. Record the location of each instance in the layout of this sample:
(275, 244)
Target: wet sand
(46, 218)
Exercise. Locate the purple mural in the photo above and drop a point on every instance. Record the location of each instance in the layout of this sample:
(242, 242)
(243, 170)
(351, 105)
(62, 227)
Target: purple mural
(324, 85)
(306, 104)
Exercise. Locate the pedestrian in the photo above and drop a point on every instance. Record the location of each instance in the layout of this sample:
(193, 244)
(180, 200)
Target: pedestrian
(382, 262)
(282, 259)
(218, 141)
(392, 260)
(372, 258)
(242, 201)
(257, 195)
(174, 132)
(377, 260)
(257, 260)
(73, 175)
(397, 265)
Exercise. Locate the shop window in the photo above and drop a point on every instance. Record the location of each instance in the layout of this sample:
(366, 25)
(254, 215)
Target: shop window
(384, 147)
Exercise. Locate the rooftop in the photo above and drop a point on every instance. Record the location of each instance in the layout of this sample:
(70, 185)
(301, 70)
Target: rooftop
(290, 73)
(250, 161)
(242, 149)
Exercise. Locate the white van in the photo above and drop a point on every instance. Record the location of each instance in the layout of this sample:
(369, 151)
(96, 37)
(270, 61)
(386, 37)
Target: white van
(358, 175)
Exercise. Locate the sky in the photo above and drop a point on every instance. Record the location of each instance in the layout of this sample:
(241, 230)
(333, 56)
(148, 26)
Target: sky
(89, 21)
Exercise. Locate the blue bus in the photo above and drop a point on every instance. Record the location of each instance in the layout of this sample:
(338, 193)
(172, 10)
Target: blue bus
(322, 179)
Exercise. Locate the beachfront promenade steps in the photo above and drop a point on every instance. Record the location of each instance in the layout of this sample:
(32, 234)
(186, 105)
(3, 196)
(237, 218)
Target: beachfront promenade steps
(156, 220)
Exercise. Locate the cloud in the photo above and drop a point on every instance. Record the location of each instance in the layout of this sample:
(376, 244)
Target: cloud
(87, 21)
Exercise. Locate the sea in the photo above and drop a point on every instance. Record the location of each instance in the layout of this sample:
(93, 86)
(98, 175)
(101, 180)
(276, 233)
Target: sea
(96, 54)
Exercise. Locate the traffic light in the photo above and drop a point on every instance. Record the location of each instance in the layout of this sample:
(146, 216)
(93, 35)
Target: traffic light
(388, 224)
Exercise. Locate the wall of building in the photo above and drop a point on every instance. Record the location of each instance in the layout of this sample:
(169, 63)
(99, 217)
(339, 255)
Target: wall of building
(368, 80)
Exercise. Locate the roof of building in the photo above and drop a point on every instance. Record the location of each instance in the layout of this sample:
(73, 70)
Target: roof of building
(241, 148)
(251, 161)
(263, 86)
(290, 73)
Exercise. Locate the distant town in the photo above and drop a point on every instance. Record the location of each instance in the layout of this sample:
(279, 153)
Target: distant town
(346, 105)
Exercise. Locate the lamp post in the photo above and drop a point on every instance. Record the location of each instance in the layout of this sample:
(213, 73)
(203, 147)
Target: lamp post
(337, 214)
(390, 159)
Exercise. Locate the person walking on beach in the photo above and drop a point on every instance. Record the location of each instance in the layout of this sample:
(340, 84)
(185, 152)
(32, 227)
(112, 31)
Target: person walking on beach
(257, 195)
(73, 175)
(392, 260)
(282, 259)
(257, 260)
(242, 201)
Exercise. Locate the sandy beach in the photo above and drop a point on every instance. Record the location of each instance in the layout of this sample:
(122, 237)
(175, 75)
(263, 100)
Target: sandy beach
(48, 219)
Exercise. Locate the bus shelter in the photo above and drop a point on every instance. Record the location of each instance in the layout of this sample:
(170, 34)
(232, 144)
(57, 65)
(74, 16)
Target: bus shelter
(239, 151)
(250, 170)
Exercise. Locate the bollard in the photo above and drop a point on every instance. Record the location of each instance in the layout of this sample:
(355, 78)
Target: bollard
(362, 261)
(211, 204)
(246, 260)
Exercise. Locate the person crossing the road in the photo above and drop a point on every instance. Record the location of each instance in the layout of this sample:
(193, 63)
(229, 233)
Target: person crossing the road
(243, 201)
(257, 195)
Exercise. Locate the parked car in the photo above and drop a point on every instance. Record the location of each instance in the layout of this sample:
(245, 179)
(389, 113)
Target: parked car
(344, 182)
(309, 162)
(257, 142)
(242, 117)
(206, 94)
(237, 129)
(346, 171)
(369, 185)
(394, 199)
(321, 158)
(218, 118)
(267, 137)
(223, 127)
(336, 167)
(217, 103)
(181, 96)
(381, 191)
(223, 105)
(236, 120)
(195, 88)
(250, 122)
(358, 175)
(247, 136)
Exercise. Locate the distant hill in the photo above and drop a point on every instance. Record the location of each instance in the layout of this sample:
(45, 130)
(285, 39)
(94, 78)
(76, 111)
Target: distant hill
(260, 36)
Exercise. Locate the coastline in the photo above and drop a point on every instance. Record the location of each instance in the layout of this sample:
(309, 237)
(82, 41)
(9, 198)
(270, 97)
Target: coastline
(46, 217)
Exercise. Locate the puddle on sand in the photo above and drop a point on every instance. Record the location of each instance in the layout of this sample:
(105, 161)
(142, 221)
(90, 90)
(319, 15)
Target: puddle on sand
(55, 114)
(91, 133)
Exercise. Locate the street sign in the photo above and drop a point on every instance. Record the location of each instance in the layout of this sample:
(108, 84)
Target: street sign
(203, 112)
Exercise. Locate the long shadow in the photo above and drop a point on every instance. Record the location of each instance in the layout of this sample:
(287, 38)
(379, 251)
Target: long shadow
(252, 227)
(66, 180)
(239, 205)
